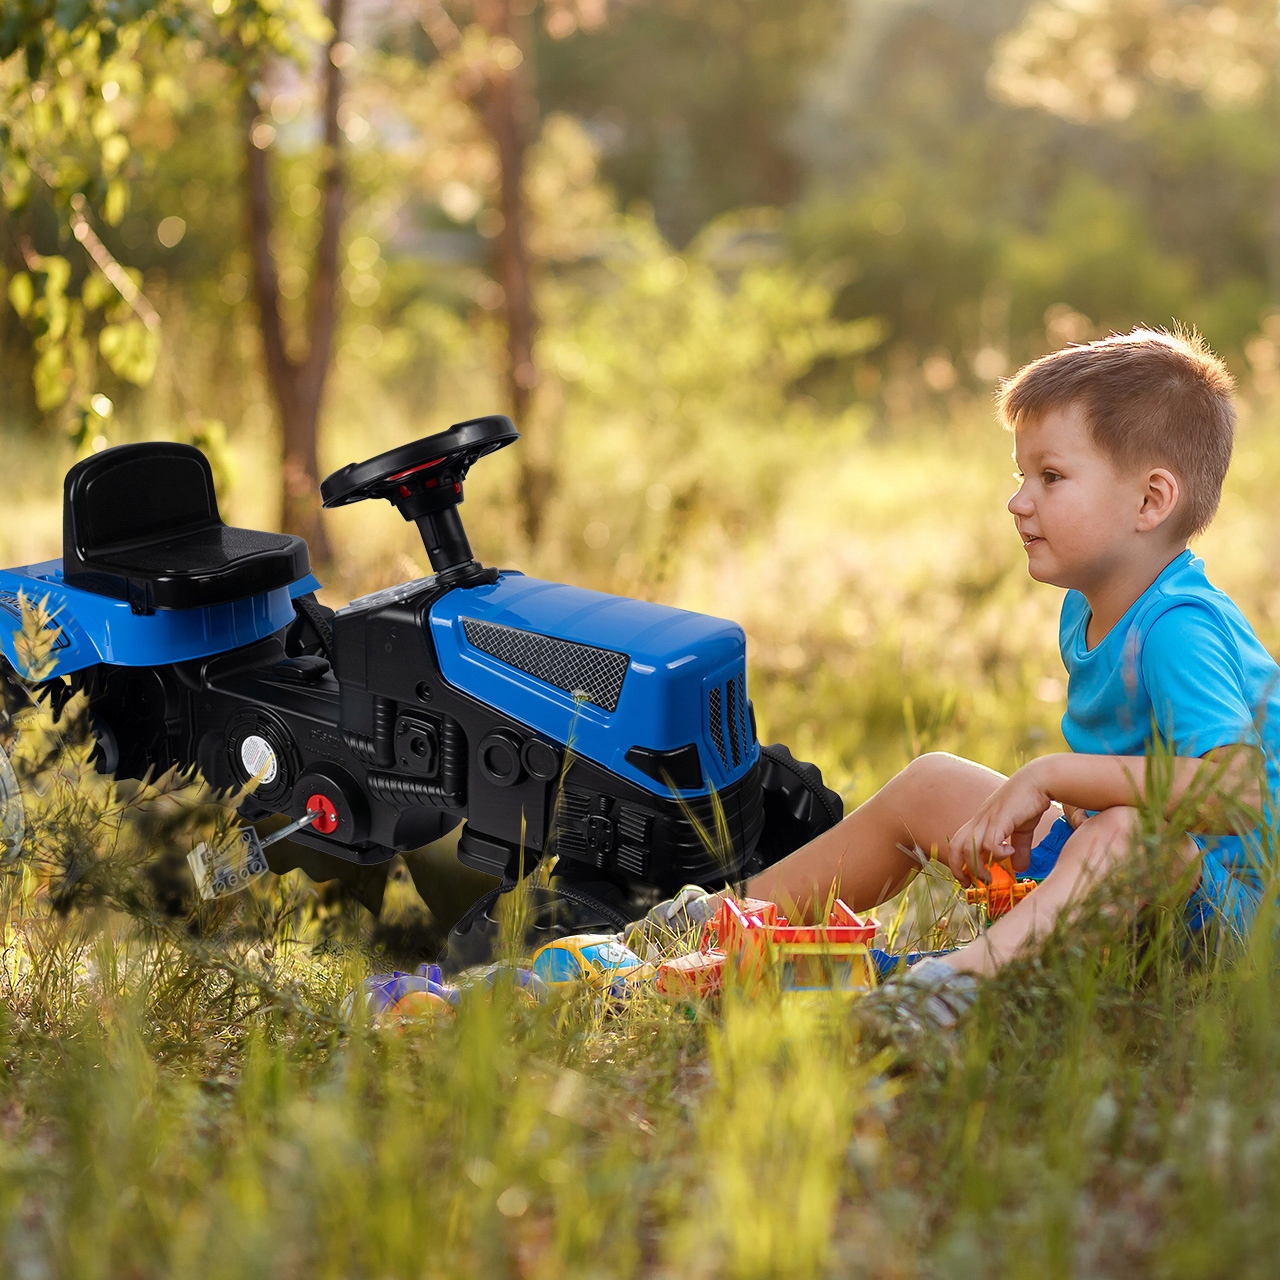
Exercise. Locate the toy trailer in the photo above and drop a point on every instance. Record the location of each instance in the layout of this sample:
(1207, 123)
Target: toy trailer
(760, 942)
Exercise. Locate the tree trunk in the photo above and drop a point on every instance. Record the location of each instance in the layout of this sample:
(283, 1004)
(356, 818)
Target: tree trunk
(506, 111)
(504, 101)
(1273, 240)
(297, 385)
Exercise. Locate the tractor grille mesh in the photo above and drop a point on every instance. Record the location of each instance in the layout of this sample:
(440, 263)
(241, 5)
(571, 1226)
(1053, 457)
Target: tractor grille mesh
(731, 710)
(717, 723)
(579, 669)
(730, 722)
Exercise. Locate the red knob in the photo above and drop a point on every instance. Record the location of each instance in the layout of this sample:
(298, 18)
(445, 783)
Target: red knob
(327, 823)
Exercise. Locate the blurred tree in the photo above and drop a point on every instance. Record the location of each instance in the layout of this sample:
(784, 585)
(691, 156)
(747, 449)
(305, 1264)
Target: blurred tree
(491, 73)
(296, 371)
(983, 233)
(1105, 62)
(693, 104)
(75, 77)
(70, 76)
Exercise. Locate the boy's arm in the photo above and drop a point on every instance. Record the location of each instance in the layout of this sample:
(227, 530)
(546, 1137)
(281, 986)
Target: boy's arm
(1227, 781)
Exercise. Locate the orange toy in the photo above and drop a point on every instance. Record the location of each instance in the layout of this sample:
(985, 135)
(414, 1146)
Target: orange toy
(758, 939)
(1002, 894)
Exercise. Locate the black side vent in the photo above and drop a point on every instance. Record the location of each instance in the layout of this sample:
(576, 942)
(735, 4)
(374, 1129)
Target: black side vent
(632, 860)
(574, 804)
(634, 825)
(728, 711)
(573, 809)
(579, 669)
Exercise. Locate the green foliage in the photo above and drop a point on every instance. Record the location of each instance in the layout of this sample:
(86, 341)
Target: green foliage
(731, 348)
(1095, 252)
(185, 1096)
(984, 232)
(131, 349)
(697, 99)
(78, 80)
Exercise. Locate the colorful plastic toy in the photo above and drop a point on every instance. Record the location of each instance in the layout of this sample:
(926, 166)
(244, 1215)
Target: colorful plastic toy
(597, 959)
(392, 996)
(760, 945)
(448, 698)
(396, 994)
(1002, 894)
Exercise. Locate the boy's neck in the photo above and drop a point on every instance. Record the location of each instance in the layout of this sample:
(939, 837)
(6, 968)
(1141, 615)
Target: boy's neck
(1109, 601)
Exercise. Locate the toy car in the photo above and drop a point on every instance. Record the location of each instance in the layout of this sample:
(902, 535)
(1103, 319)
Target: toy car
(545, 715)
(597, 959)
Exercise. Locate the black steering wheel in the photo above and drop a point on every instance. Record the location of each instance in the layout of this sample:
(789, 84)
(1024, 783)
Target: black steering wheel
(426, 469)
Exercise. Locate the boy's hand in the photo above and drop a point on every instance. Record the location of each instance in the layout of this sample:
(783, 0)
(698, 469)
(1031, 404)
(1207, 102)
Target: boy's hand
(1003, 828)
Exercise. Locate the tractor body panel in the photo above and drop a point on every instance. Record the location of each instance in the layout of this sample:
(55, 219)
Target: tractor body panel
(604, 675)
(95, 628)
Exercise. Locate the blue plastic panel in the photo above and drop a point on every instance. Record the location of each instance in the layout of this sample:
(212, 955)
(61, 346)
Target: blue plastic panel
(676, 658)
(96, 628)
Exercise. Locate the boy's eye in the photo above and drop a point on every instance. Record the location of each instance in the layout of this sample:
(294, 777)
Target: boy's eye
(1050, 476)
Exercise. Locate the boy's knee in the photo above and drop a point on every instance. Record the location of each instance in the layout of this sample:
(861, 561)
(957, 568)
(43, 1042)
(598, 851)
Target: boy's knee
(1103, 839)
(933, 766)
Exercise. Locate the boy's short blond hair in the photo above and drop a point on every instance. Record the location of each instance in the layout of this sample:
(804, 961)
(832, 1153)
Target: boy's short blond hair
(1151, 398)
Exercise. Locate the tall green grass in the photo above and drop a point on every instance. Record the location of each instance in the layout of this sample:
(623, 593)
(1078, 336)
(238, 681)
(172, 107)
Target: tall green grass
(186, 1097)
(181, 1094)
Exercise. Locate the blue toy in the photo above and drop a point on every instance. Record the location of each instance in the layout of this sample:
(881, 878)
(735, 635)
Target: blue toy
(546, 716)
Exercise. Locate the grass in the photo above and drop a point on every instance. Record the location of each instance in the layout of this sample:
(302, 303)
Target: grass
(181, 1095)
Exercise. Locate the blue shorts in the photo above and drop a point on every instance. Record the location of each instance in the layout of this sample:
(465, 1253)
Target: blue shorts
(1220, 896)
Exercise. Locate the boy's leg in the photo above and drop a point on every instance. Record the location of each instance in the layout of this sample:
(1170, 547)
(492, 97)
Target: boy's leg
(1096, 846)
(868, 857)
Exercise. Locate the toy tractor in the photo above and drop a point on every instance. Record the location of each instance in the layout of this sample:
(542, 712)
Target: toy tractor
(546, 716)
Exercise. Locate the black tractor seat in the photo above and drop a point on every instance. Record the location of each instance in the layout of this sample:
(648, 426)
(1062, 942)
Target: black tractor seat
(140, 523)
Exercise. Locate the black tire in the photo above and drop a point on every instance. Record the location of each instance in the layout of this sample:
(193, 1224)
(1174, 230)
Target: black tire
(562, 908)
(797, 806)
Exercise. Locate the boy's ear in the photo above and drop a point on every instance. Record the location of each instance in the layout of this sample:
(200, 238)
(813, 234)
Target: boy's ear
(1159, 499)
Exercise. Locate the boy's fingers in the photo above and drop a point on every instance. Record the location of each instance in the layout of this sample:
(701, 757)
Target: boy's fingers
(963, 858)
(980, 846)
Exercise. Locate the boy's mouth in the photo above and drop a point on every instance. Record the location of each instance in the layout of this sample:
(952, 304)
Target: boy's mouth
(1029, 540)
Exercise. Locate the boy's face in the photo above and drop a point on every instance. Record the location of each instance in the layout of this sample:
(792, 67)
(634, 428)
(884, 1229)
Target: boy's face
(1080, 519)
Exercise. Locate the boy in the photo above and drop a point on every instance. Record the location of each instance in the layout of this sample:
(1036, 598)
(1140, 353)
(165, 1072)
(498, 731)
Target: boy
(1122, 446)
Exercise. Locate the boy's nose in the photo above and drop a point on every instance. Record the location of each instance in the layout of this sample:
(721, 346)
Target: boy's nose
(1020, 504)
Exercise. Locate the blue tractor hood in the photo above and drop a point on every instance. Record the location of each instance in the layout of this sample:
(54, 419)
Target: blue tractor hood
(602, 674)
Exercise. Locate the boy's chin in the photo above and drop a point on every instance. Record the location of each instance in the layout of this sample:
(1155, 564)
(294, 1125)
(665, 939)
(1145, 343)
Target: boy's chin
(1047, 574)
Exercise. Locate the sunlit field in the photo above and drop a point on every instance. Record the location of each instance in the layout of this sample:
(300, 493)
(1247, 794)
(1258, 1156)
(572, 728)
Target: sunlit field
(193, 1101)
(748, 276)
